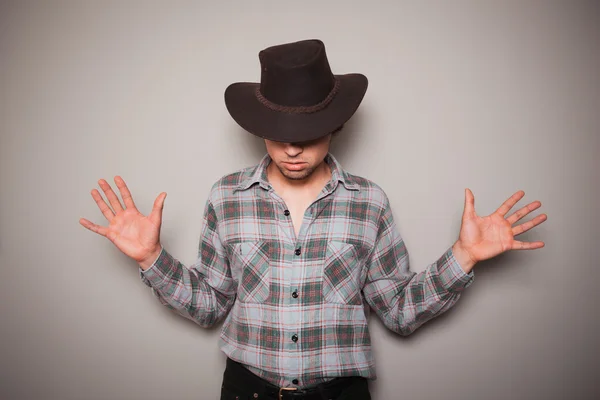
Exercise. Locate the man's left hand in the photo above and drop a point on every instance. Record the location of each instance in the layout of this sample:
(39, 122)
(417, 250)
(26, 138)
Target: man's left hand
(482, 238)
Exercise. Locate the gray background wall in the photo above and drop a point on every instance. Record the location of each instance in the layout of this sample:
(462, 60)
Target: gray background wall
(494, 96)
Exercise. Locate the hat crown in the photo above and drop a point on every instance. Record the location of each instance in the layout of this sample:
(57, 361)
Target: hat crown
(296, 74)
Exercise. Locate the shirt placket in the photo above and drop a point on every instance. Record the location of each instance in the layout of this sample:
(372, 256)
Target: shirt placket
(288, 260)
(293, 273)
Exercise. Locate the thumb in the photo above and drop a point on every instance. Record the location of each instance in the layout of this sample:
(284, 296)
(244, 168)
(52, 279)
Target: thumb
(157, 209)
(469, 204)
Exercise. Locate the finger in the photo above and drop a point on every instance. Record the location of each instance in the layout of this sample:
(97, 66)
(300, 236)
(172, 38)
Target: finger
(524, 227)
(509, 203)
(104, 208)
(517, 215)
(157, 208)
(517, 245)
(111, 196)
(101, 230)
(469, 204)
(125, 193)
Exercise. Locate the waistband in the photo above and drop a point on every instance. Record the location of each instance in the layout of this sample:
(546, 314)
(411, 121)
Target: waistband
(239, 375)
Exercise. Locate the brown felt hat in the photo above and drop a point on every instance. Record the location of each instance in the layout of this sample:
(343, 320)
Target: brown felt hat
(298, 97)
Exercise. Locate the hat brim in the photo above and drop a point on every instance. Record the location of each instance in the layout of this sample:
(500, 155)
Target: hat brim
(256, 118)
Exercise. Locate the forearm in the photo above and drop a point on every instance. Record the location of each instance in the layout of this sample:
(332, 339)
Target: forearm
(186, 291)
(407, 300)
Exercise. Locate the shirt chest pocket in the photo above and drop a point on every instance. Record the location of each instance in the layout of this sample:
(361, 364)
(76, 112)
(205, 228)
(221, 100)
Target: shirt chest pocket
(252, 259)
(341, 274)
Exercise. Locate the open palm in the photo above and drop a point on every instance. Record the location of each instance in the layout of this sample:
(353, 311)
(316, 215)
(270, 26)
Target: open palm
(136, 235)
(486, 237)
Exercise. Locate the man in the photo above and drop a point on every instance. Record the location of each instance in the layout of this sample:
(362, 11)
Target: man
(295, 251)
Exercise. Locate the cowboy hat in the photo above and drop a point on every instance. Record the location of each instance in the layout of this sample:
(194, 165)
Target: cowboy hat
(298, 98)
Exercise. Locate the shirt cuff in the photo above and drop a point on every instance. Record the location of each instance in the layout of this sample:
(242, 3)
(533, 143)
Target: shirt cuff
(158, 274)
(453, 277)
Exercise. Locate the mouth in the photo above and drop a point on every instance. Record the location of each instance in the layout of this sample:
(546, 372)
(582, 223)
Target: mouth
(294, 166)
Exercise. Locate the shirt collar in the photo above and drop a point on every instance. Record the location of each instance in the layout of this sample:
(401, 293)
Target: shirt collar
(259, 175)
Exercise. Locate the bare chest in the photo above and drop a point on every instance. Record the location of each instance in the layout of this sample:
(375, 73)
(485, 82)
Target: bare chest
(297, 205)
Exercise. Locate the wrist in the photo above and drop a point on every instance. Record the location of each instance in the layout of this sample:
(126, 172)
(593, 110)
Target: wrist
(463, 257)
(150, 259)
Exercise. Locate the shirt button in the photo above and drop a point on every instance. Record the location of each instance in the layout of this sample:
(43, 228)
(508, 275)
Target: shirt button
(297, 252)
(286, 212)
(295, 294)
(295, 381)
(294, 338)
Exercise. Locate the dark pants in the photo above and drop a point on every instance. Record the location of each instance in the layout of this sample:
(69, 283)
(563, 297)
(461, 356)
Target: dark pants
(241, 384)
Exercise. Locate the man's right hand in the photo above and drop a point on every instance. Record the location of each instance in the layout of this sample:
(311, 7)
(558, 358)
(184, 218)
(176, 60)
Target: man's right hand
(136, 235)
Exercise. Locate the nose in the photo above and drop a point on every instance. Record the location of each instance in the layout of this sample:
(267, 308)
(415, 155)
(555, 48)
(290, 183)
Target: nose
(293, 149)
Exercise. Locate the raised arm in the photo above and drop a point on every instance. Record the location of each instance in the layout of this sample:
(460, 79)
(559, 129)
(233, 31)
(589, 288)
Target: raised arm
(403, 299)
(204, 292)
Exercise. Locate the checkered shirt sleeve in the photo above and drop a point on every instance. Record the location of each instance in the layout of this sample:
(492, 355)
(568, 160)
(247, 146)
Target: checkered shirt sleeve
(203, 292)
(403, 299)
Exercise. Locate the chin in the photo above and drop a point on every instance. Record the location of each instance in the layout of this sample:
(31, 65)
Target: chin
(296, 177)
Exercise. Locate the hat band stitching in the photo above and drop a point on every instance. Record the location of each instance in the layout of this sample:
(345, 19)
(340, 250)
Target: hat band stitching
(299, 109)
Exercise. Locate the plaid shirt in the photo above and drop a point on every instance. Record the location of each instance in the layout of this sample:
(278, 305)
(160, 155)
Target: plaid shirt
(296, 308)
